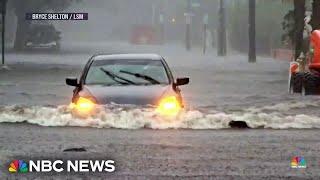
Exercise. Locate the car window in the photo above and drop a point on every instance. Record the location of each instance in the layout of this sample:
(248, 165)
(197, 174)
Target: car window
(150, 68)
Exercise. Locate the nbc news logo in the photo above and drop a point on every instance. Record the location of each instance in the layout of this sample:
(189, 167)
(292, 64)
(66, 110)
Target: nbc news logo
(298, 162)
(20, 166)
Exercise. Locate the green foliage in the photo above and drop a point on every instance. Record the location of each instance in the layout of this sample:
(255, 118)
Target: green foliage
(288, 27)
(269, 16)
(21, 6)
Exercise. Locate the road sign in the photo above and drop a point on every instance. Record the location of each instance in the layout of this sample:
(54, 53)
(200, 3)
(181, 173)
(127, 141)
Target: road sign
(206, 19)
(161, 18)
(188, 17)
(195, 4)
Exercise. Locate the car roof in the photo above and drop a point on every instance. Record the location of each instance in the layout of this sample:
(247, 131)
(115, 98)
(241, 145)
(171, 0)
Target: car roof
(150, 57)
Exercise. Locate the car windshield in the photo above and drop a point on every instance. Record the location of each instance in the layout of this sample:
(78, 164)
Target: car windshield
(126, 72)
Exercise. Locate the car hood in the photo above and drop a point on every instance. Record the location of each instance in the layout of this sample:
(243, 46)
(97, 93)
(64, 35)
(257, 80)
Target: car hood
(137, 95)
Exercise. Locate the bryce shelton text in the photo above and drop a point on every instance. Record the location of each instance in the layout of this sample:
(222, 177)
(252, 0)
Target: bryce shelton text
(56, 16)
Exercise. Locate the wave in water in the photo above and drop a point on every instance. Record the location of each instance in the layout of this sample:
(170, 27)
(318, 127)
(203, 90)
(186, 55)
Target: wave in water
(126, 117)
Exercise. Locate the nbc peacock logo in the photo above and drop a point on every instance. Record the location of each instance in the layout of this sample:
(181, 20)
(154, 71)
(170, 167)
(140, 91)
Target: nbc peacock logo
(18, 166)
(298, 162)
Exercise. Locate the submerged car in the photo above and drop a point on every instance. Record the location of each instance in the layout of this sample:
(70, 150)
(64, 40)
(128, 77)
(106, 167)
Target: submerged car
(131, 79)
(43, 36)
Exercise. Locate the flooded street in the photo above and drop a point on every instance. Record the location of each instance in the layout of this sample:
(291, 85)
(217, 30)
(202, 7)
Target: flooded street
(39, 78)
(167, 154)
(160, 89)
(197, 144)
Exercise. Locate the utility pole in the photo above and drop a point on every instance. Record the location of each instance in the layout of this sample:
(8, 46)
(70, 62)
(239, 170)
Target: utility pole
(205, 27)
(222, 35)
(315, 21)
(3, 14)
(188, 26)
(299, 15)
(153, 14)
(161, 20)
(252, 31)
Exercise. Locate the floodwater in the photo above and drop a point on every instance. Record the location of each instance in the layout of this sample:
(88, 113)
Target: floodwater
(198, 144)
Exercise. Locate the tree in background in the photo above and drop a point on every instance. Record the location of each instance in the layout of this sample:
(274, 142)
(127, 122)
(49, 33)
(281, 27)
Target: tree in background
(269, 16)
(288, 27)
(315, 21)
(294, 22)
(252, 31)
(21, 7)
(299, 15)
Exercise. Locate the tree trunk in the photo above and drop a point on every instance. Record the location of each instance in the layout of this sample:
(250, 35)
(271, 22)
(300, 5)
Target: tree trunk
(222, 36)
(315, 21)
(3, 13)
(188, 27)
(252, 31)
(21, 32)
(299, 15)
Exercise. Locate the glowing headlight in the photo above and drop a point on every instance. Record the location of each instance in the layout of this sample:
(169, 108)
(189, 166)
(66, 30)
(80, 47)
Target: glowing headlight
(169, 106)
(83, 106)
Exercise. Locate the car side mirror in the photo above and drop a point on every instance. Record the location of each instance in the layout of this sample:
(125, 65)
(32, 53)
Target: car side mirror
(71, 81)
(182, 81)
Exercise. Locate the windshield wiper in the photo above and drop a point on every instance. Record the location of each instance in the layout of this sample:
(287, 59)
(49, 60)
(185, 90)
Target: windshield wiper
(114, 77)
(142, 76)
